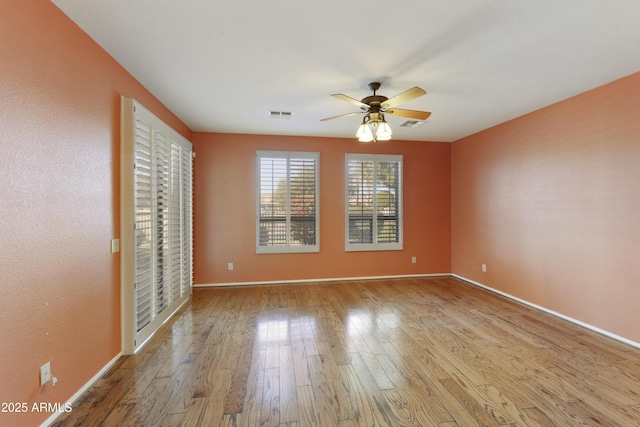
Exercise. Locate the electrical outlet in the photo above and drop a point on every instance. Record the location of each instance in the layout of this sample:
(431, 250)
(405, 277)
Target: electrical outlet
(45, 373)
(413, 260)
(230, 266)
(484, 268)
(115, 246)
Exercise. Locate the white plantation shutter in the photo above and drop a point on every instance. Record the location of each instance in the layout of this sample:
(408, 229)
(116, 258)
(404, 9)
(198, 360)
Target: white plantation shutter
(272, 226)
(287, 211)
(302, 201)
(156, 205)
(373, 217)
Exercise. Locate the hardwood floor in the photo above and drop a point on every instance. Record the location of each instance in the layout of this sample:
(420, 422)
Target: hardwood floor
(401, 352)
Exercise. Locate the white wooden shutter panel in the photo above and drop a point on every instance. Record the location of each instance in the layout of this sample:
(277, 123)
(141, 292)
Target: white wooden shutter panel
(273, 199)
(360, 201)
(143, 223)
(187, 220)
(161, 225)
(176, 240)
(302, 201)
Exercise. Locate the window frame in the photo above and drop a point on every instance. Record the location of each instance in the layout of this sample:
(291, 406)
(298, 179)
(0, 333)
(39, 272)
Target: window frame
(288, 247)
(375, 245)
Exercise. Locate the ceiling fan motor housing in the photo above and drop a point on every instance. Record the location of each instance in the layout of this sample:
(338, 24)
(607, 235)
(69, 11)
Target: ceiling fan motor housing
(373, 101)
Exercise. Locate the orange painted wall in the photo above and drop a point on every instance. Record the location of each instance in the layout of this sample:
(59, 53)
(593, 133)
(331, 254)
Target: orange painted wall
(224, 211)
(551, 203)
(59, 203)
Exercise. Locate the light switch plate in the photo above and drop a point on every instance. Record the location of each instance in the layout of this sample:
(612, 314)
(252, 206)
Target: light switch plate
(45, 373)
(115, 246)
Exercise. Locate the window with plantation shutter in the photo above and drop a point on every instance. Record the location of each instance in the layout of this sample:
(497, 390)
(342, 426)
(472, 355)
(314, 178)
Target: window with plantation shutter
(287, 202)
(156, 224)
(373, 202)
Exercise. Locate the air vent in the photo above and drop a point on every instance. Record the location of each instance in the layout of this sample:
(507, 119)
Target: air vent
(286, 115)
(412, 124)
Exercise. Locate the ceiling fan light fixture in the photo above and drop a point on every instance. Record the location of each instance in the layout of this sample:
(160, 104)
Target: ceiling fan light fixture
(364, 133)
(383, 130)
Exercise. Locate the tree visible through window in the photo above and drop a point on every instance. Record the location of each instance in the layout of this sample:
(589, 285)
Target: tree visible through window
(374, 202)
(287, 202)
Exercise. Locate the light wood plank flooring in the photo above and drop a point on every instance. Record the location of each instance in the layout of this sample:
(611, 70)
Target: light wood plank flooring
(401, 352)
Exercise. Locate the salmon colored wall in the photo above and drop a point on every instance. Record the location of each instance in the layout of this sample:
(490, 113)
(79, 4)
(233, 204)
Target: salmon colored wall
(224, 211)
(59, 203)
(551, 203)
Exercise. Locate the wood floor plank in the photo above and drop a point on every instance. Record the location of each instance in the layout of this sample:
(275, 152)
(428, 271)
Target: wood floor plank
(366, 361)
(117, 415)
(592, 415)
(211, 405)
(413, 382)
(335, 385)
(366, 400)
(389, 352)
(610, 403)
(410, 400)
(307, 406)
(517, 396)
(300, 365)
(538, 418)
(287, 383)
(240, 354)
(270, 413)
(473, 406)
(326, 404)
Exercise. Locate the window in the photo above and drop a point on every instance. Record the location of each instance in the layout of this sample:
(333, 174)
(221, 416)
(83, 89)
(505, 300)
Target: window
(373, 202)
(287, 202)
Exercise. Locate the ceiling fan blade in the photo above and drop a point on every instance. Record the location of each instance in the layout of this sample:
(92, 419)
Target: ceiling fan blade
(341, 115)
(407, 95)
(350, 100)
(411, 114)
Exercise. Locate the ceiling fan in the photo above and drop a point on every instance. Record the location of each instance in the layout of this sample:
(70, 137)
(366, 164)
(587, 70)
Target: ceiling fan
(374, 107)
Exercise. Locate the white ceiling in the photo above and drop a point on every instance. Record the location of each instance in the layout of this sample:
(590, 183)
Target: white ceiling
(222, 65)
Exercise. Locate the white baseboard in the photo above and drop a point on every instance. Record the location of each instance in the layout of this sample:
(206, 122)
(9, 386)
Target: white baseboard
(553, 313)
(82, 390)
(331, 279)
